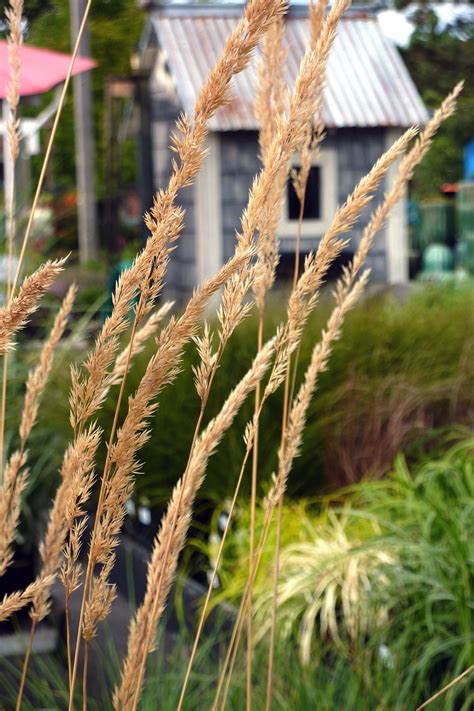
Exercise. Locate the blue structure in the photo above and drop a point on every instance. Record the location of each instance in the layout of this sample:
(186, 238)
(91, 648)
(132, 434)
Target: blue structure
(469, 161)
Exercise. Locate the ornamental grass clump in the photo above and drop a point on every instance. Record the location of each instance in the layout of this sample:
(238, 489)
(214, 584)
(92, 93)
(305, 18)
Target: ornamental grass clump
(81, 556)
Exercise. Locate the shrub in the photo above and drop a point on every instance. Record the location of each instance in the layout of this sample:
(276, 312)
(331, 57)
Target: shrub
(385, 575)
(402, 372)
(335, 685)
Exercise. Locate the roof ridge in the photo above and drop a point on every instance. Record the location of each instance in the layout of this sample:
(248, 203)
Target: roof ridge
(230, 9)
(368, 84)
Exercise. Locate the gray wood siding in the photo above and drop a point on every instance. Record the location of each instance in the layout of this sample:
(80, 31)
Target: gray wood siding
(239, 165)
(357, 151)
(181, 277)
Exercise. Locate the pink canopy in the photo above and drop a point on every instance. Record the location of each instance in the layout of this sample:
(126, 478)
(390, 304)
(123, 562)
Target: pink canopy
(41, 69)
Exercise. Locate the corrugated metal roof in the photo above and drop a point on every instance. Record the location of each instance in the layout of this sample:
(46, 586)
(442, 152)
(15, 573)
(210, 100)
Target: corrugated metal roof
(368, 83)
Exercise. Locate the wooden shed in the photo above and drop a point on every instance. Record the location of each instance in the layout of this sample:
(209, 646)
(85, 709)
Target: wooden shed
(369, 99)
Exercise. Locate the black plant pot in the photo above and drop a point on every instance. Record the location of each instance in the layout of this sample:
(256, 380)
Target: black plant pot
(19, 574)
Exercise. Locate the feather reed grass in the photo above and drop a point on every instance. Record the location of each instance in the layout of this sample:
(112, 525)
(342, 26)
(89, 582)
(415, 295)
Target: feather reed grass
(307, 154)
(13, 485)
(346, 295)
(308, 151)
(405, 173)
(49, 148)
(287, 452)
(270, 104)
(15, 315)
(13, 15)
(143, 629)
(16, 601)
(301, 302)
(304, 297)
(15, 480)
(314, 131)
(15, 303)
(290, 132)
(89, 389)
(164, 220)
(279, 153)
(161, 370)
(77, 480)
(344, 301)
(291, 122)
(189, 146)
(143, 335)
(369, 183)
(274, 381)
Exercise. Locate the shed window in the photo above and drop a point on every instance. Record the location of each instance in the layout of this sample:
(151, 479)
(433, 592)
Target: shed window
(320, 201)
(312, 201)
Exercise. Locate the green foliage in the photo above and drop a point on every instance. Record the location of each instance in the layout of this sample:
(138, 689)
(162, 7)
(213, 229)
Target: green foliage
(437, 60)
(429, 593)
(115, 27)
(46, 446)
(362, 681)
(383, 577)
(409, 627)
(334, 684)
(402, 371)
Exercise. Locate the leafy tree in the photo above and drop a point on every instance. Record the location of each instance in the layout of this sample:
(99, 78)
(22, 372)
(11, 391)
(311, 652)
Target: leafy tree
(32, 10)
(437, 58)
(115, 28)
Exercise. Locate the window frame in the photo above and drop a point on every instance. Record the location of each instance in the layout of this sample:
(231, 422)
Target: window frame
(326, 161)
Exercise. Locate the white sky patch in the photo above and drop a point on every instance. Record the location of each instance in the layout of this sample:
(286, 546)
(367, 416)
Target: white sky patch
(448, 12)
(397, 26)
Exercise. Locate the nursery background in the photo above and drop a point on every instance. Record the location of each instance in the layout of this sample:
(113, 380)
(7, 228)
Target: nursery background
(361, 594)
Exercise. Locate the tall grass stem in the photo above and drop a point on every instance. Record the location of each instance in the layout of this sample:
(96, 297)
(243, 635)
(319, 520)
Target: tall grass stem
(287, 398)
(26, 662)
(253, 504)
(89, 571)
(446, 688)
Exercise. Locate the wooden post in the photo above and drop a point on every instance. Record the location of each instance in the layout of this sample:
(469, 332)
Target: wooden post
(8, 166)
(84, 137)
